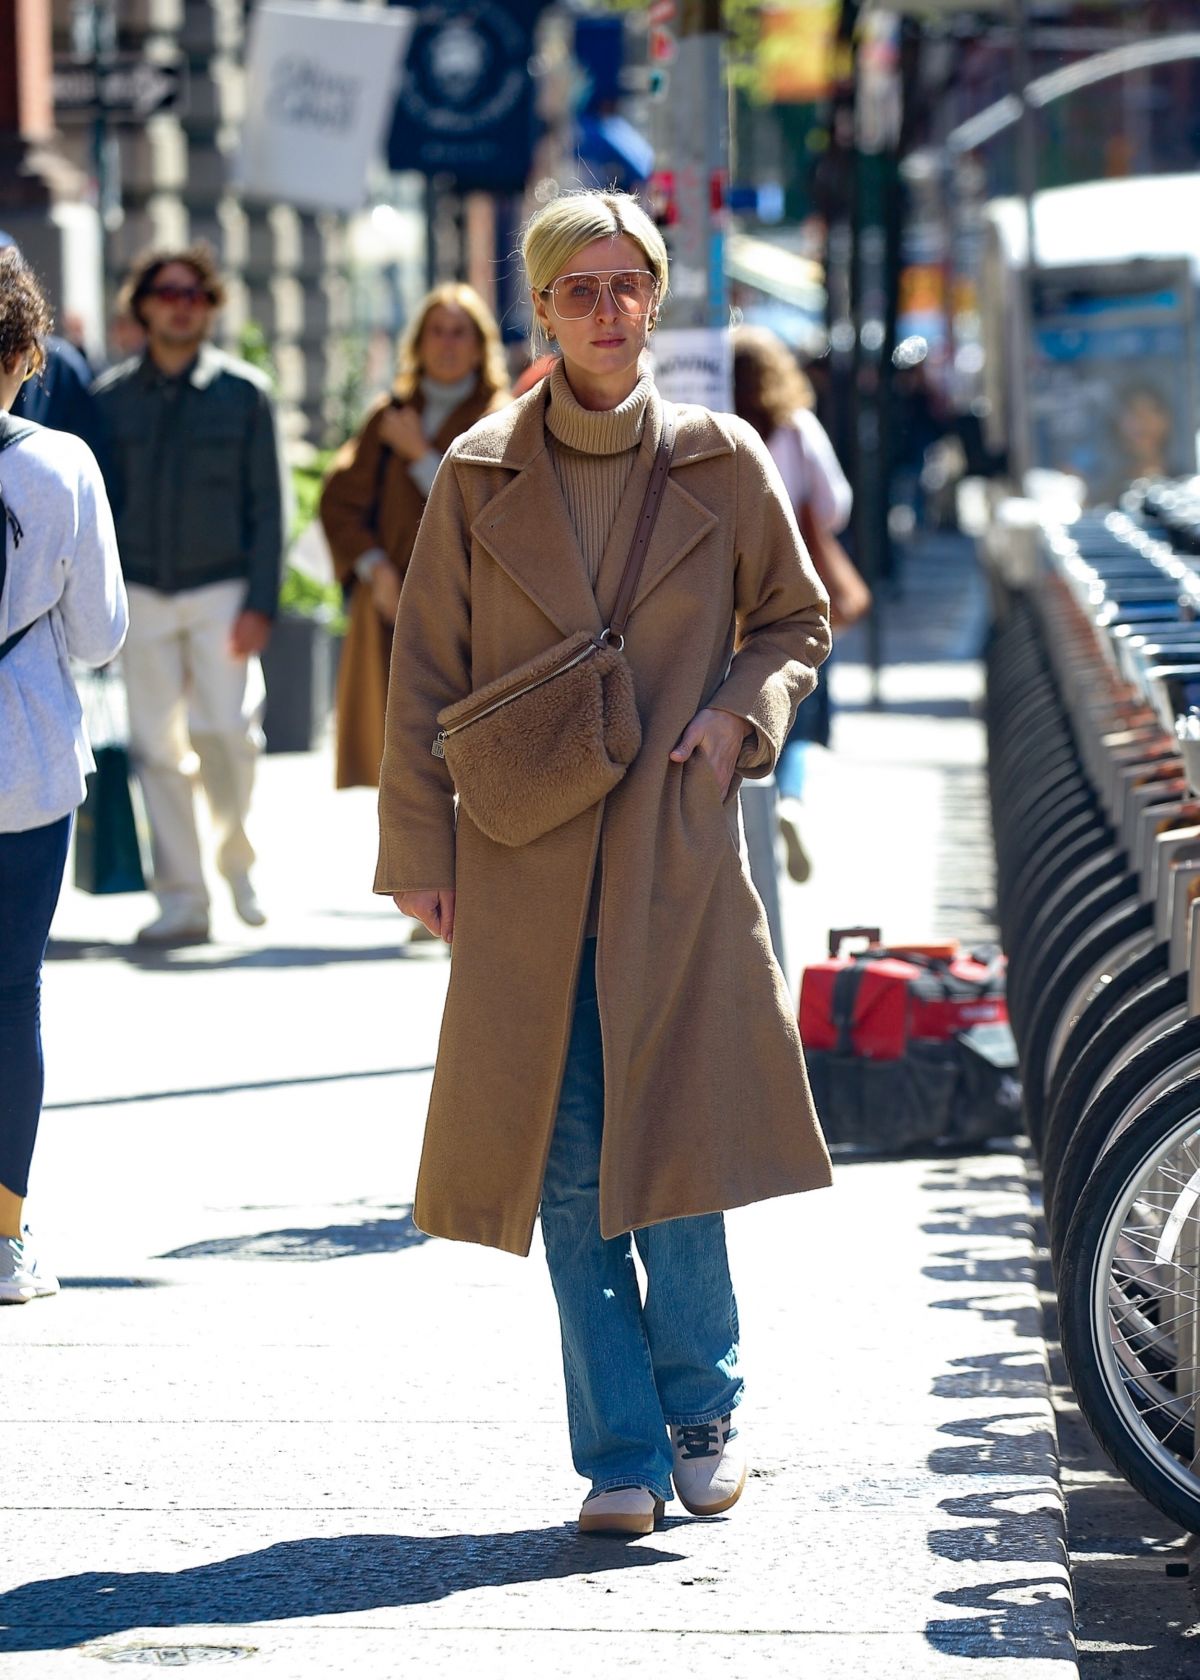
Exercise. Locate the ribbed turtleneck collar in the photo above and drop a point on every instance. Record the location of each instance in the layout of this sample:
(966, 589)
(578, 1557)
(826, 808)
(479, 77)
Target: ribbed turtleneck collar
(603, 431)
(448, 394)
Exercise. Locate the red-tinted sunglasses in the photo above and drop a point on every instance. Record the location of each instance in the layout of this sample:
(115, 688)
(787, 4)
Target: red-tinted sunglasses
(179, 294)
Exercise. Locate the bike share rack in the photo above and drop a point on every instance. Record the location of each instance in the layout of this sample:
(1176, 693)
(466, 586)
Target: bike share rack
(1093, 715)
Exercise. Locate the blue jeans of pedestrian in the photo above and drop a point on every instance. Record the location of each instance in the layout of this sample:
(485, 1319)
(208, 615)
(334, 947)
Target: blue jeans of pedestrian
(31, 872)
(632, 1368)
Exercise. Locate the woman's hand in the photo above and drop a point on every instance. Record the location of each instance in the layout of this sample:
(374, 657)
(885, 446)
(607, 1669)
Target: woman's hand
(400, 429)
(719, 736)
(435, 909)
(385, 591)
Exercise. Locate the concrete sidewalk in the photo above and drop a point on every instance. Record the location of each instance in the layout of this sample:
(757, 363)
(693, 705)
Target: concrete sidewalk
(268, 1420)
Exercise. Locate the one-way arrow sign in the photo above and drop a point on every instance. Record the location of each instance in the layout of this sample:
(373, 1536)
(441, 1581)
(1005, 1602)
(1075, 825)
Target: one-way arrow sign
(128, 89)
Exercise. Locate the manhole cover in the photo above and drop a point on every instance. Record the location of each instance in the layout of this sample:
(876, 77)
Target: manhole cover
(176, 1656)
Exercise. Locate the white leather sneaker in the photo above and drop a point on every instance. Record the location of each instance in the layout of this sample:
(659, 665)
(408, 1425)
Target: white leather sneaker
(627, 1510)
(22, 1276)
(245, 901)
(176, 924)
(710, 1466)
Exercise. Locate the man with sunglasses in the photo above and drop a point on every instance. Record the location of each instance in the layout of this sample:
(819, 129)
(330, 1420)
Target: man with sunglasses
(197, 488)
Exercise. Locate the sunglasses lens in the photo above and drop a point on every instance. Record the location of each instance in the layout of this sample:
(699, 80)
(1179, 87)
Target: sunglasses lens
(180, 294)
(632, 292)
(576, 295)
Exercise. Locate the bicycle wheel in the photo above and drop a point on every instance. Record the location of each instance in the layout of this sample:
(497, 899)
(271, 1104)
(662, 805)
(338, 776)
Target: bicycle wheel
(1114, 1056)
(1129, 1302)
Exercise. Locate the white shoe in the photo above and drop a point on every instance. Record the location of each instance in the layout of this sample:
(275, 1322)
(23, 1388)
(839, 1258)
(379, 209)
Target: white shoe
(176, 924)
(245, 901)
(627, 1510)
(710, 1466)
(22, 1277)
(787, 816)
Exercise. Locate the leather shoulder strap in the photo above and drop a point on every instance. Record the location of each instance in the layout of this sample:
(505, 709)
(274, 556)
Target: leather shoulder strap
(644, 529)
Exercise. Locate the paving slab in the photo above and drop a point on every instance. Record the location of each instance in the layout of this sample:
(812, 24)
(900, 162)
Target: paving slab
(268, 1423)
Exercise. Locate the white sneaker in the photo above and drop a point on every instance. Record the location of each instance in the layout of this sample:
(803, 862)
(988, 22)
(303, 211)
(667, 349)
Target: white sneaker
(176, 924)
(627, 1510)
(787, 815)
(245, 901)
(710, 1466)
(22, 1277)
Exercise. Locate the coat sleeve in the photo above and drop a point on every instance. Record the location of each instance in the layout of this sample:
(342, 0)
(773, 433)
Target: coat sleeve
(347, 508)
(431, 666)
(781, 610)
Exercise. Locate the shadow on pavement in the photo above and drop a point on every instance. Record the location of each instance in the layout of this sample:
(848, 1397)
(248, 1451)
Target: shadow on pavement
(1025, 1616)
(339, 1576)
(183, 960)
(298, 1242)
(244, 1085)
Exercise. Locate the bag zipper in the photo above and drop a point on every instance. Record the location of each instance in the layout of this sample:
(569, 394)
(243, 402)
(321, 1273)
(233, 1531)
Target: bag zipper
(439, 744)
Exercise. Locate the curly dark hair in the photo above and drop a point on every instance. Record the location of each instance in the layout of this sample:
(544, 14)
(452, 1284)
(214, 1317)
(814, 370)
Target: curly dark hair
(200, 258)
(25, 317)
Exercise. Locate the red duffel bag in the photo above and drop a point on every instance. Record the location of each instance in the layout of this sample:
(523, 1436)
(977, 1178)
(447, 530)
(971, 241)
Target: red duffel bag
(894, 1036)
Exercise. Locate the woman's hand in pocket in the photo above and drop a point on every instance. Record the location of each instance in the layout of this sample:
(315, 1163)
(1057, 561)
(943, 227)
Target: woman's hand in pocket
(435, 909)
(718, 736)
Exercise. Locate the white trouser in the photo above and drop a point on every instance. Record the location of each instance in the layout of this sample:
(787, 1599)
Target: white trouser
(189, 695)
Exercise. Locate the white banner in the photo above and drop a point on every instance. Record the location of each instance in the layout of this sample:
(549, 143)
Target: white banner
(320, 81)
(695, 365)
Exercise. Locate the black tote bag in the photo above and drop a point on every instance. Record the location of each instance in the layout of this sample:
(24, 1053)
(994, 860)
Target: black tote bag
(108, 853)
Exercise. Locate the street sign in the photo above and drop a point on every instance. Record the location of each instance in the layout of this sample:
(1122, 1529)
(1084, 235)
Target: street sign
(126, 89)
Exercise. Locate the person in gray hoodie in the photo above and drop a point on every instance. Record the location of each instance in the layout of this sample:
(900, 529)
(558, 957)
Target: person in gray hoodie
(61, 597)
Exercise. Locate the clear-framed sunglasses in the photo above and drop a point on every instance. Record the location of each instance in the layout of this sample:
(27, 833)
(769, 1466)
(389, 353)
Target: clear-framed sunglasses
(573, 297)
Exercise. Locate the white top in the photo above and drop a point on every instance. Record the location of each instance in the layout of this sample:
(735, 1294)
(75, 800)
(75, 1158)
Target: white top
(810, 469)
(63, 573)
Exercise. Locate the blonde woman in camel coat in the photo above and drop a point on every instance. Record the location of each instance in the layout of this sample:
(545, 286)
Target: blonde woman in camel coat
(619, 1051)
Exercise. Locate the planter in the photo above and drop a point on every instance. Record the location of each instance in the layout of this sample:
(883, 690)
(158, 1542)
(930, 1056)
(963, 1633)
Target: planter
(300, 670)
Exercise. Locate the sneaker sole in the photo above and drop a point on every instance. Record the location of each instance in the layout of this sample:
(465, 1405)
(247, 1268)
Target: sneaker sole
(633, 1523)
(10, 1299)
(798, 863)
(174, 941)
(714, 1510)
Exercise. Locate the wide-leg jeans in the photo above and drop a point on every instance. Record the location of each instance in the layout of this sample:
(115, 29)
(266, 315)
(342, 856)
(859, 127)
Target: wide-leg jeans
(632, 1368)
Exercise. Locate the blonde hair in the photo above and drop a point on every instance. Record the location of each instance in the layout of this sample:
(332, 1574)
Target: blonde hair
(575, 219)
(453, 294)
(768, 383)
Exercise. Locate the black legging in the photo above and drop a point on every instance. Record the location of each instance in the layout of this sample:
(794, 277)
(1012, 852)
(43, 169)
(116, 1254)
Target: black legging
(31, 872)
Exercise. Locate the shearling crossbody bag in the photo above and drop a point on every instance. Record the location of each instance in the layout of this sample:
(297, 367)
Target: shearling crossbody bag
(551, 738)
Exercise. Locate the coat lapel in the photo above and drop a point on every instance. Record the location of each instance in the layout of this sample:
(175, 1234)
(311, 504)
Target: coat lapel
(527, 530)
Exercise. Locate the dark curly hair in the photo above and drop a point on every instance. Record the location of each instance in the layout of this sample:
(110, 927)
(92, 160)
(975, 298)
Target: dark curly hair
(25, 317)
(200, 258)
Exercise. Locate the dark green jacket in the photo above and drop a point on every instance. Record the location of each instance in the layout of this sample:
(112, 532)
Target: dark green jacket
(194, 475)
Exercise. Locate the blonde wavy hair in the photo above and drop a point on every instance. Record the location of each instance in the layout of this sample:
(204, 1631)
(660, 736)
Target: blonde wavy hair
(575, 219)
(768, 383)
(453, 294)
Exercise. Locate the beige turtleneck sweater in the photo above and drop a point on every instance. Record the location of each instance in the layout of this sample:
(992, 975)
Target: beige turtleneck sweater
(593, 451)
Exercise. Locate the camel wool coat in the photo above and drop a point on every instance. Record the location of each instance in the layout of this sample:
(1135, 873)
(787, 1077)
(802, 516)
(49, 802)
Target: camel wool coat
(369, 500)
(707, 1104)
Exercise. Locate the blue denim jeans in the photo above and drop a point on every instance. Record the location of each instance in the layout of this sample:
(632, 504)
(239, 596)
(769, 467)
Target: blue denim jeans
(631, 1368)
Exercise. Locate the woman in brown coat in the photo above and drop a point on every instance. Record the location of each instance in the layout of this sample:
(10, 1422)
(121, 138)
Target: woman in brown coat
(451, 372)
(618, 1046)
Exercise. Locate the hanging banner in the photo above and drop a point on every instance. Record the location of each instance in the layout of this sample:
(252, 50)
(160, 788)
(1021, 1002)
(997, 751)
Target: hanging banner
(320, 78)
(465, 106)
